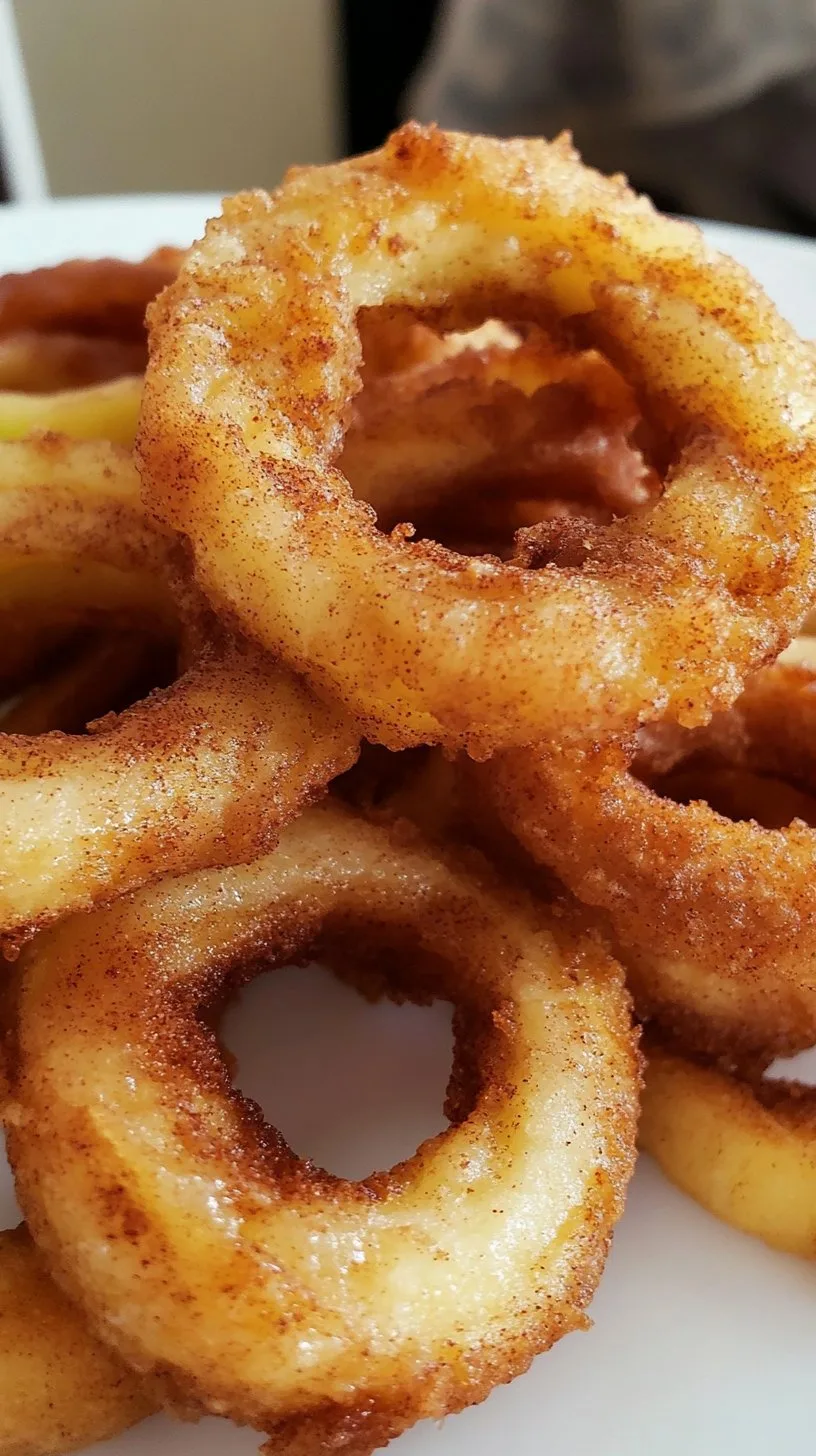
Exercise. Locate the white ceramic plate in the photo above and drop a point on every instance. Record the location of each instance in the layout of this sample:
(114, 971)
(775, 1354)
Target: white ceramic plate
(704, 1342)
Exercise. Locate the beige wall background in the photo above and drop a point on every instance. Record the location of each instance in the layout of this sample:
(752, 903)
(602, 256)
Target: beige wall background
(180, 95)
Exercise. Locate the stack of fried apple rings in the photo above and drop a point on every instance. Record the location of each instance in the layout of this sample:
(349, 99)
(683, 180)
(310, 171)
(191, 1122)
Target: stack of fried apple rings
(442, 625)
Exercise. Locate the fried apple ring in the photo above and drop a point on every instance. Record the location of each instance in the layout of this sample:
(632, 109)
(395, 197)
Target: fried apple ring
(30, 646)
(715, 919)
(34, 363)
(104, 297)
(101, 673)
(255, 358)
(201, 773)
(745, 1150)
(328, 1313)
(61, 1388)
(391, 344)
(108, 411)
(490, 419)
(75, 544)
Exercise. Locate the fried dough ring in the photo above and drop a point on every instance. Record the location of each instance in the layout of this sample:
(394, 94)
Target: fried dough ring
(255, 358)
(201, 773)
(75, 544)
(715, 920)
(99, 297)
(102, 673)
(61, 1388)
(34, 363)
(29, 646)
(745, 1150)
(392, 344)
(492, 416)
(72, 346)
(330, 1314)
(108, 411)
(47, 598)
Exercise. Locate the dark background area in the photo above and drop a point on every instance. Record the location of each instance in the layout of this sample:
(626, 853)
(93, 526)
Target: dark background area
(382, 45)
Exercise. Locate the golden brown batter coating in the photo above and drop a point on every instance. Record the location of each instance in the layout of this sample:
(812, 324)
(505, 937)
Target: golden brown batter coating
(255, 359)
(330, 1314)
(203, 772)
(715, 919)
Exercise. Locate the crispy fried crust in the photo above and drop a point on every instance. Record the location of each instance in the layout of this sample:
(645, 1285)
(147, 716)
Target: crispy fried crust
(201, 773)
(255, 358)
(331, 1314)
(716, 920)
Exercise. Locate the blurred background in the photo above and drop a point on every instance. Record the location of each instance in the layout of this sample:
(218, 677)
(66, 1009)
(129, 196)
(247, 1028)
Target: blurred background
(710, 105)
